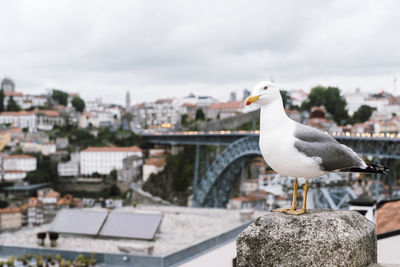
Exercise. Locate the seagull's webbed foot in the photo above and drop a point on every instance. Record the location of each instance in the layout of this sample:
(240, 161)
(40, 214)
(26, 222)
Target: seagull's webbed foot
(284, 209)
(296, 212)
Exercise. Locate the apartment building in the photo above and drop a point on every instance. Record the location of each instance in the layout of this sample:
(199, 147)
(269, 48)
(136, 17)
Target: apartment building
(105, 159)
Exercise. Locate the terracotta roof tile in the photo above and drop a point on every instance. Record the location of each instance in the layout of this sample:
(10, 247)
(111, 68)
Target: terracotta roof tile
(19, 157)
(159, 162)
(9, 210)
(48, 113)
(16, 113)
(388, 217)
(113, 149)
(8, 93)
(230, 105)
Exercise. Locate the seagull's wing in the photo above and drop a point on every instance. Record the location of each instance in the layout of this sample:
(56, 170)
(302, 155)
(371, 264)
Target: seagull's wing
(329, 153)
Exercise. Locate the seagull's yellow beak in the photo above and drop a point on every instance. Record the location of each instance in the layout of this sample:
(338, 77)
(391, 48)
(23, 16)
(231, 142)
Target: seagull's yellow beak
(250, 99)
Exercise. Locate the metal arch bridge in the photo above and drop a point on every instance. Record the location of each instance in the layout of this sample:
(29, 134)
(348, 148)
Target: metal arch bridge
(382, 146)
(213, 189)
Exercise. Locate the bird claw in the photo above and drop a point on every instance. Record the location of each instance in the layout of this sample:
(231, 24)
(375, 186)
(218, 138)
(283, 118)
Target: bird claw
(284, 210)
(296, 212)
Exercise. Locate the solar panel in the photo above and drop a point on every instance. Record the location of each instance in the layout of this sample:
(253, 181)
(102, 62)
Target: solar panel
(76, 221)
(131, 225)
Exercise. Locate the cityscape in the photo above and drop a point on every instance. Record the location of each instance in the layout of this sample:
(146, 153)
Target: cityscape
(60, 152)
(210, 133)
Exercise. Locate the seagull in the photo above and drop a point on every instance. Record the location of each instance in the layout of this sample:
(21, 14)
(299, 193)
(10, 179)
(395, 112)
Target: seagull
(295, 150)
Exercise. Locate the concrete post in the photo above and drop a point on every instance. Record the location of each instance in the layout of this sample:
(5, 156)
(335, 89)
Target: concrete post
(317, 238)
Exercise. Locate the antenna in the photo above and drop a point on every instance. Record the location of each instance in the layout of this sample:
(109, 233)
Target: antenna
(395, 86)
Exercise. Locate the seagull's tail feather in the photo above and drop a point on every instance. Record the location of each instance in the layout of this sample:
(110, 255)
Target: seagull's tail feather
(371, 168)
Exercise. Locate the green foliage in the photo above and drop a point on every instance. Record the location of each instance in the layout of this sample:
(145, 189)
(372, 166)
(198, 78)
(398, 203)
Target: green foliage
(287, 101)
(184, 119)
(200, 116)
(331, 99)
(362, 114)
(60, 97)
(253, 125)
(181, 168)
(114, 191)
(83, 138)
(1, 100)
(12, 105)
(78, 104)
(113, 175)
(46, 171)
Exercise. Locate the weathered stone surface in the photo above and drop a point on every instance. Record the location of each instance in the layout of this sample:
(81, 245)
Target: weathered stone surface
(317, 238)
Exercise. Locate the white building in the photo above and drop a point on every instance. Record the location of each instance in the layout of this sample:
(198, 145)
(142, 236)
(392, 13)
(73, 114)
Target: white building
(25, 101)
(14, 175)
(105, 159)
(47, 119)
(19, 162)
(70, 168)
(36, 147)
(355, 100)
(164, 113)
(17, 97)
(298, 96)
(21, 119)
(225, 110)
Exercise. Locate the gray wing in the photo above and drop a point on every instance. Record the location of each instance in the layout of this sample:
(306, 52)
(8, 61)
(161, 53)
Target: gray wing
(334, 156)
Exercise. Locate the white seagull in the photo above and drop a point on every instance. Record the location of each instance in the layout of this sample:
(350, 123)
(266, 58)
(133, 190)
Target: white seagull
(296, 150)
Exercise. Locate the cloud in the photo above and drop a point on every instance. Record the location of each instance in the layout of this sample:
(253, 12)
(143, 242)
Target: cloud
(155, 48)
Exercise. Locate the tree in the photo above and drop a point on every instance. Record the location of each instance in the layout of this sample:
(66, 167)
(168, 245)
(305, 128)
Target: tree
(287, 101)
(78, 104)
(60, 97)
(331, 99)
(362, 114)
(200, 116)
(1, 100)
(184, 119)
(113, 175)
(12, 105)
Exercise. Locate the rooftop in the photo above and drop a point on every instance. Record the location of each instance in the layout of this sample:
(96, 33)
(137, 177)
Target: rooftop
(234, 104)
(159, 162)
(113, 149)
(180, 228)
(388, 217)
(19, 157)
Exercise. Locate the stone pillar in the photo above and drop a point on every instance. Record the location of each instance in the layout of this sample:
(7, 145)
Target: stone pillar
(317, 238)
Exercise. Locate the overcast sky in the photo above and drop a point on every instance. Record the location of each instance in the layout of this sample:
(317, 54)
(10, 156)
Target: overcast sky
(171, 48)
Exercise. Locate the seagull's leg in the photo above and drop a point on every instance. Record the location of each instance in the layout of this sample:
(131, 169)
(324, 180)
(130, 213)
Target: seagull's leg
(294, 202)
(303, 208)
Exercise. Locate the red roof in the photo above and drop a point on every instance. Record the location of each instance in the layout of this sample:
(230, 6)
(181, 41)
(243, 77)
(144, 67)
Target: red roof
(16, 113)
(388, 217)
(8, 93)
(19, 157)
(231, 105)
(113, 149)
(188, 105)
(48, 113)
(9, 210)
(159, 162)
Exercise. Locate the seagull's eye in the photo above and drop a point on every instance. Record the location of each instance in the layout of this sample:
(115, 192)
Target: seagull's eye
(266, 87)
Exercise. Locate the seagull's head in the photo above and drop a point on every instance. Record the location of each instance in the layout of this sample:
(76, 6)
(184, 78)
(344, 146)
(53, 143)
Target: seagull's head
(263, 93)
